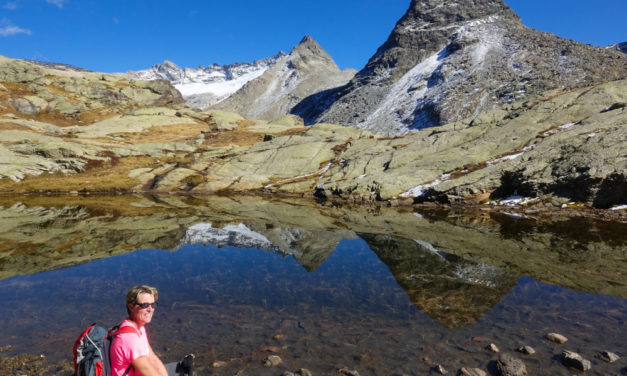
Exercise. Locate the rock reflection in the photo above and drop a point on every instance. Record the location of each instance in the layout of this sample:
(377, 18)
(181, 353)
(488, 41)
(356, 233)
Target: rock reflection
(451, 290)
(308, 248)
(44, 233)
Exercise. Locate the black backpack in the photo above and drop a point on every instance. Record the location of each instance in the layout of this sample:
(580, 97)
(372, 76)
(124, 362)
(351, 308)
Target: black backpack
(92, 349)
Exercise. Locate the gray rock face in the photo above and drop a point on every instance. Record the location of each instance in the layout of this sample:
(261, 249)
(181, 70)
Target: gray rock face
(24, 106)
(508, 365)
(445, 61)
(308, 69)
(622, 47)
(574, 360)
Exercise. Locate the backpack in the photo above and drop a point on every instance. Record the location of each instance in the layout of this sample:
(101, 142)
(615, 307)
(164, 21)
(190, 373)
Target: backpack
(92, 349)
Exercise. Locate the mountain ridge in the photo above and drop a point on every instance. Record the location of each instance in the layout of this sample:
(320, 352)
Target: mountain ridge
(204, 86)
(447, 61)
(306, 70)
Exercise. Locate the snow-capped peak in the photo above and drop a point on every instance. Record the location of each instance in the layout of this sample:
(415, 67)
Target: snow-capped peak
(214, 82)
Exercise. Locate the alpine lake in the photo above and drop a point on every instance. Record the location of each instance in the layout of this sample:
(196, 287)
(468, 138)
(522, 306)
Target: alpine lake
(337, 290)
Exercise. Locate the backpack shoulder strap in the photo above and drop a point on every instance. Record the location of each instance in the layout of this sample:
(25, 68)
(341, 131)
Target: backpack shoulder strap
(124, 329)
(113, 333)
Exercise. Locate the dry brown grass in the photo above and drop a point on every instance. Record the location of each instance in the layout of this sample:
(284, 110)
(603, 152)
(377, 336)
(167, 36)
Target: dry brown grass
(298, 131)
(96, 205)
(16, 89)
(90, 117)
(234, 137)
(106, 178)
(54, 117)
(15, 247)
(7, 126)
(549, 97)
(165, 133)
(245, 122)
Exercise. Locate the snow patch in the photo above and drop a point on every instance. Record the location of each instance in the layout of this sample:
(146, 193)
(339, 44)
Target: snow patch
(514, 200)
(431, 248)
(422, 189)
(233, 235)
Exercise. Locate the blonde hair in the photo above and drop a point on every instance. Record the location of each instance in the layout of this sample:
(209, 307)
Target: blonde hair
(133, 293)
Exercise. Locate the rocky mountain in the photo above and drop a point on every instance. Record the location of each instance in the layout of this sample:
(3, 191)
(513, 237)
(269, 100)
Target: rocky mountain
(308, 69)
(68, 131)
(448, 60)
(204, 86)
(622, 47)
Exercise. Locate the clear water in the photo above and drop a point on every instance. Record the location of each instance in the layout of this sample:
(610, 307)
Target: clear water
(378, 304)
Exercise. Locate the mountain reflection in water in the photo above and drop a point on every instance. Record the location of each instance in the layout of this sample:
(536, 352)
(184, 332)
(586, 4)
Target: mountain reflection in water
(371, 288)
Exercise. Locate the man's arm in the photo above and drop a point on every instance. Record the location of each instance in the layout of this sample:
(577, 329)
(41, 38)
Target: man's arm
(146, 366)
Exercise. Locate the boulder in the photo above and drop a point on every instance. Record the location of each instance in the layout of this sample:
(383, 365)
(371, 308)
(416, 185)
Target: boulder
(272, 361)
(608, 356)
(24, 106)
(527, 350)
(574, 360)
(464, 371)
(508, 365)
(557, 338)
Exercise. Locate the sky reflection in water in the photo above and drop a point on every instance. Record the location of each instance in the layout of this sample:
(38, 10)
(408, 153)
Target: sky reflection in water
(354, 309)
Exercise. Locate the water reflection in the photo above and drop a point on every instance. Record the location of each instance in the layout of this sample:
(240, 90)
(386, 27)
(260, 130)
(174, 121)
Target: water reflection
(450, 289)
(376, 289)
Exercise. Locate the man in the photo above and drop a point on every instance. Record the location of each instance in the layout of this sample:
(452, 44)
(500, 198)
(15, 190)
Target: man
(131, 353)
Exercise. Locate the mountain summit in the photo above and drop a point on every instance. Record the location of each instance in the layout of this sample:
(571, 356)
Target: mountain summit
(447, 60)
(202, 87)
(306, 70)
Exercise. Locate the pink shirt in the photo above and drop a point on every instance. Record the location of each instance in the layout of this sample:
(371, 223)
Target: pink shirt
(127, 347)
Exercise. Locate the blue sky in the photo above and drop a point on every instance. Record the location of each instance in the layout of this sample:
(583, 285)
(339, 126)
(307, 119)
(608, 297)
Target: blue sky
(115, 35)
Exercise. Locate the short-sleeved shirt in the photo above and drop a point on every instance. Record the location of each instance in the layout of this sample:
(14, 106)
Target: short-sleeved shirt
(127, 347)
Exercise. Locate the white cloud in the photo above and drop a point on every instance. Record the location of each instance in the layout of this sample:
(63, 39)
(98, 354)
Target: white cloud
(58, 3)
(11, 5)
(13, 30)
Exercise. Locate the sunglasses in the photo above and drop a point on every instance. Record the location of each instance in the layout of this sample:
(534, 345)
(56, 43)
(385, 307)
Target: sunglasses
(146, 305)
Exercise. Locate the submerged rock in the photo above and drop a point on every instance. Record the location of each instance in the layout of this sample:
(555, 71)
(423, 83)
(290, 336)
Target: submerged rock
(345, 371)
(574, 360)
(472, 372)
(557, 338)
(509, 365)
(609, 357)
(528, 350)
(272, 361)
(440, 369)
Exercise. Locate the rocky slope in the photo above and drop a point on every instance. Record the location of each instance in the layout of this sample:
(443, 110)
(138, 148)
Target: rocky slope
(307, 69)
(445, 61)
(204, 86)
(622, 47)
(98, 133)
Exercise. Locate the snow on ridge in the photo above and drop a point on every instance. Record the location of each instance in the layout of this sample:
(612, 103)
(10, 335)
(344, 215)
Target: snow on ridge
(220, 86)
(233, 235)
(216, 80)
(405, 92)
(431, 248)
